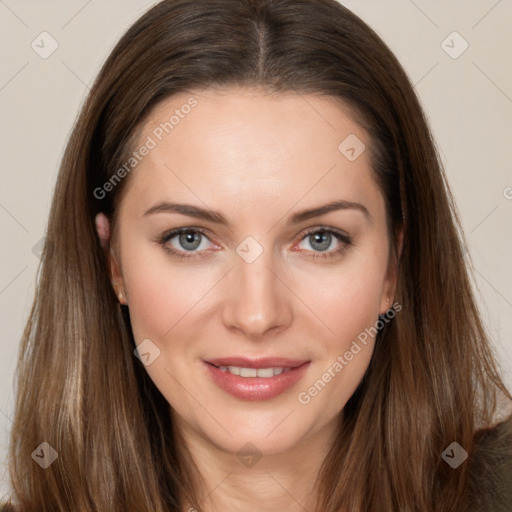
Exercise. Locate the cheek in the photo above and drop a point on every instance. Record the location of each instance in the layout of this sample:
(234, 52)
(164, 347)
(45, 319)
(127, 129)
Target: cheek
(348, 303)
(351, 308)
(347, 299)
(161, 296)
(351, 305)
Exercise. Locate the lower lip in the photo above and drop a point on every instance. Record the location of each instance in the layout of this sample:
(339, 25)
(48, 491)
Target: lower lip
(256, 388)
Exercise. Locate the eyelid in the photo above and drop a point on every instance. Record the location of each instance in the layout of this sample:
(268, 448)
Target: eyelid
(325, 229)
(171, 233)
(344, 238)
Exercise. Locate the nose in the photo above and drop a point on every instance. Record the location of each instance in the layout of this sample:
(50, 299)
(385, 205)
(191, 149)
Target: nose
(259, 302)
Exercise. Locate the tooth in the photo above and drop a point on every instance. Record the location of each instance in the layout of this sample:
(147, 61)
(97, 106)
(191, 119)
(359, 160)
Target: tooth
(254, 372)
(265, 372)
(235, 370)
(248, 372)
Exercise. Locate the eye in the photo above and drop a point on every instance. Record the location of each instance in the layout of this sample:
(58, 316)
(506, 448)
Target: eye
(191, 242)
(326, 242)
(185, 242)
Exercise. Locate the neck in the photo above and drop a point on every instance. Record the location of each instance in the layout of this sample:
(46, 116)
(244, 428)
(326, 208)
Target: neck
(258, 482)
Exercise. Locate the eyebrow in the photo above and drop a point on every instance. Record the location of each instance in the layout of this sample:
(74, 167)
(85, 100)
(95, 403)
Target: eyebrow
(218, 218)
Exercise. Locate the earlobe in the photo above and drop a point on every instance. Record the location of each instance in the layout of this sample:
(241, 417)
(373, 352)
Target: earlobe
(116, 277)
(388, 296)
(104, 233)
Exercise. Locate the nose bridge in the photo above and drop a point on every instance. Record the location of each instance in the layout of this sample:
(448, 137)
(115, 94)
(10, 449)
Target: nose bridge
(258, 299)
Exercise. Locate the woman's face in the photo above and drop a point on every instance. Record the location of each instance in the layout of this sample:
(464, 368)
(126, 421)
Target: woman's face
(259, 282)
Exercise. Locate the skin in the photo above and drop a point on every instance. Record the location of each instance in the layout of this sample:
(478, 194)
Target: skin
(257, 159)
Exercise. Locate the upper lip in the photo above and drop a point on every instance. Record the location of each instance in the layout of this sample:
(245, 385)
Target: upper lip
(264, 362)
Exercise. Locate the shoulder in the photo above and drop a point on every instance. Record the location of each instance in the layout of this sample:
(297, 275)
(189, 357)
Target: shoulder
(490, 469)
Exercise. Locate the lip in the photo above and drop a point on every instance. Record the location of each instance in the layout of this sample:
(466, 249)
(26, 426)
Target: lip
(263, 362)
(256, 388)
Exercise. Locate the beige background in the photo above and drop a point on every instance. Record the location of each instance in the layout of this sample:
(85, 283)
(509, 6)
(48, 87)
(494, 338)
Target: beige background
(468, 100)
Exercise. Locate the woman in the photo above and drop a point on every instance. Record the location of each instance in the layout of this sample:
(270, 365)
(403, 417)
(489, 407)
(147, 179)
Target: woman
(253, 292)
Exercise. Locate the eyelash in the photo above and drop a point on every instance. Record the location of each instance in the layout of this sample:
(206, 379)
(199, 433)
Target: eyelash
(324, 255)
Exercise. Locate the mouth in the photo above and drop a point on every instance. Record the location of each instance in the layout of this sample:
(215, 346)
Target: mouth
(255, 379)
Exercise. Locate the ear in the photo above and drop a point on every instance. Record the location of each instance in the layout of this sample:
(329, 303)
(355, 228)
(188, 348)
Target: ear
(103, 230)
(105, 233)
(389, 288)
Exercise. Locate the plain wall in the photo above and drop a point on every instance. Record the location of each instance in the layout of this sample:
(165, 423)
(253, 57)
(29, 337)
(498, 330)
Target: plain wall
(468, 100)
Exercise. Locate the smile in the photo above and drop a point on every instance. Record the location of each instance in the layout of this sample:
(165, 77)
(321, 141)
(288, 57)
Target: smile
(254, 372)
(265, 382)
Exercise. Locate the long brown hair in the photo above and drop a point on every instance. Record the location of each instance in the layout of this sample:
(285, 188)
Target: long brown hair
(432, 379)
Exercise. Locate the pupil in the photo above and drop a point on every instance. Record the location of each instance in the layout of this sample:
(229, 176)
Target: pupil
(188, 238)
(326, 237)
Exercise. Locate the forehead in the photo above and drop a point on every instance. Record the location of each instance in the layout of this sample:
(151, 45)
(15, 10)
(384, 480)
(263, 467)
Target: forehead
(240, 146)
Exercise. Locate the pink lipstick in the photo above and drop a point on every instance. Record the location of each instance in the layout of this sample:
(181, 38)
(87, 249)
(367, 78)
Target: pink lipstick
(256, 379)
